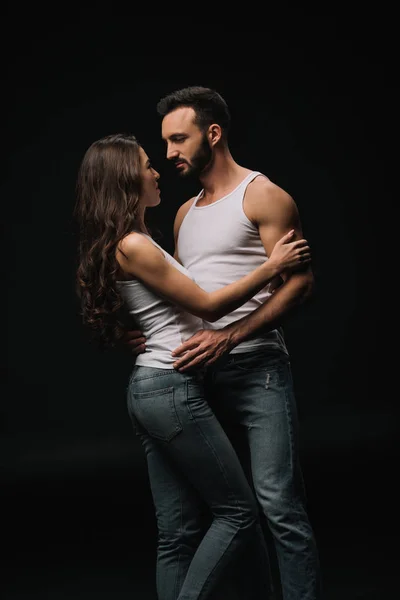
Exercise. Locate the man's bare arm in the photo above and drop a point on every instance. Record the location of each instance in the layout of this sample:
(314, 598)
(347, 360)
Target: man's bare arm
(180, 215)
(273, 211)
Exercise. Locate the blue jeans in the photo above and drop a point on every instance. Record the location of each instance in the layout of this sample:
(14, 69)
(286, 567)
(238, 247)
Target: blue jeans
(191, 465)
(252, 396)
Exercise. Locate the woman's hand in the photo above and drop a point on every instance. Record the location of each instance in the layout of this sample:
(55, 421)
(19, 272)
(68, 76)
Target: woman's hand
(288, 255)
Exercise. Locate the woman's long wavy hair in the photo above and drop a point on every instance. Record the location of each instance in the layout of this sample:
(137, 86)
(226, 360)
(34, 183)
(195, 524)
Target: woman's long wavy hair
(108, 191)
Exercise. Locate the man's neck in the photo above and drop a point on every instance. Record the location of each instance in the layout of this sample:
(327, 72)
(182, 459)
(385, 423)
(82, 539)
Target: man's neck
(223, 176)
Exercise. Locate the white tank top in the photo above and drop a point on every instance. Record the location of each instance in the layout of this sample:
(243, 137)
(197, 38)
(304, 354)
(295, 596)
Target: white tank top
(164, 325)
(218, 244)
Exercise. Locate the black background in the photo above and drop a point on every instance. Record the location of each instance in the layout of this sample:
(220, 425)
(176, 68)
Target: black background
(314, 105)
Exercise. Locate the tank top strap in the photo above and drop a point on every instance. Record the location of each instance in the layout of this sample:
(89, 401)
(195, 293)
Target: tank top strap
(241, 186)
(248, 179)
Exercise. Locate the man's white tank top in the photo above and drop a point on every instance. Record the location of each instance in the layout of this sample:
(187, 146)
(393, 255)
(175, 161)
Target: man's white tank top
(218, 244)
(164, 325)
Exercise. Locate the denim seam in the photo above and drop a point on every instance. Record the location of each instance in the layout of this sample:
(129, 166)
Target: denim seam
(201, 595)
(290, 429)
(153, 376)
(177, 582)
(207, 442)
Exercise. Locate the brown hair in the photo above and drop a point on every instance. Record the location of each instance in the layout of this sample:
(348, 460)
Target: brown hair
(108, 190)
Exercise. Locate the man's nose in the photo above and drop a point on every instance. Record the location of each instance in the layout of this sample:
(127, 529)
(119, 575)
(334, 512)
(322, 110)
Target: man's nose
(172, 153)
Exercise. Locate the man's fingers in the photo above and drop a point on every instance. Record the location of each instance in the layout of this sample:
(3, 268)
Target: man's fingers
(184, 365)
(183, 359)
(136, 342)
(139, 349)
(189, 356)
(185, 347)
(132, 334)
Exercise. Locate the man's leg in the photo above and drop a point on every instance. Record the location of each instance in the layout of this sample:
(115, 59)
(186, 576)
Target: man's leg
(250, 574)
(256, 392)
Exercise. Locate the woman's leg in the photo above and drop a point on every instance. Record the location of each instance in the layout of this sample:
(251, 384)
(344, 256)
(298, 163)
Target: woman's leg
(179, 515)
(171, 410)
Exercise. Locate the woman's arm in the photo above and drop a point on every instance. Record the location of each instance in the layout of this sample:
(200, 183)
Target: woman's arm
(139, 257)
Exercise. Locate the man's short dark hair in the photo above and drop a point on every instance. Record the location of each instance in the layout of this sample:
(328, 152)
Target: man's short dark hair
(208, 105)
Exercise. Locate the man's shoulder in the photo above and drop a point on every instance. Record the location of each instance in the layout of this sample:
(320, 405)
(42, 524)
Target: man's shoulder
(181, 214)
(263, 191)
(262, 187)
(264, 197)
(183, 210)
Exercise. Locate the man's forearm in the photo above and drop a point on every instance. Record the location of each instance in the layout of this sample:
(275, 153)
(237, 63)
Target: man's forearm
(273, 312)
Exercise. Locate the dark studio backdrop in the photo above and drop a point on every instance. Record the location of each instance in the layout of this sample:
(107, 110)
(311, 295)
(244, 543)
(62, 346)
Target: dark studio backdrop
(312, 102)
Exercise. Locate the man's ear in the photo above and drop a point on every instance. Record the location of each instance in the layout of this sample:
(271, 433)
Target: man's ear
(214, 134)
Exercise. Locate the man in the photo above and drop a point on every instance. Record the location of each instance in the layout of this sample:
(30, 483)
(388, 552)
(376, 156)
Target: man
(220, 235)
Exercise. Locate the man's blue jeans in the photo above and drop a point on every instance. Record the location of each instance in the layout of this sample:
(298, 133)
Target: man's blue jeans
(191, 464)
(252, 394)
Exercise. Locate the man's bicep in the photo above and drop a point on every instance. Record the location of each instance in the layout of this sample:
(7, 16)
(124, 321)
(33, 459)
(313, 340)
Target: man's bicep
(283, 217)
(277, 220)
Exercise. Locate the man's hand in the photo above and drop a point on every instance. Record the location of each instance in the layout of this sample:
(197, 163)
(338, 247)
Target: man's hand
(202, 349)
(134, 341)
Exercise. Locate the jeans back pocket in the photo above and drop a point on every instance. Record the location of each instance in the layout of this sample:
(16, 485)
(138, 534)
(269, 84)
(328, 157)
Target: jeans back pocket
(156, 412)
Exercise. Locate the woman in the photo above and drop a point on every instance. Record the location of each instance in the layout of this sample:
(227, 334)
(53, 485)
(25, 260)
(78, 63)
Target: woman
(188, 454)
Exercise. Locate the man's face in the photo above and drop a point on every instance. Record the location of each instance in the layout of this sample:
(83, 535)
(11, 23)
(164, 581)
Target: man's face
(187, 146)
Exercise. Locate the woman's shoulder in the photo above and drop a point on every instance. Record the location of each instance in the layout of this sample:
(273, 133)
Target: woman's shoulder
(134, 243)
(137, 250)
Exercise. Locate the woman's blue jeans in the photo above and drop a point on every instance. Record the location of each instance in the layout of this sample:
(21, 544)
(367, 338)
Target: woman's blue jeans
(191, 463)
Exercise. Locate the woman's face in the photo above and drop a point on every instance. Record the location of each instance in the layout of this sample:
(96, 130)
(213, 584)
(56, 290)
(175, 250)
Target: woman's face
(150, 192)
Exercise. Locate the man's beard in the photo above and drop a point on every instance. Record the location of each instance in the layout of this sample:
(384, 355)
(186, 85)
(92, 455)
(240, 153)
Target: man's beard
(201, 160)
